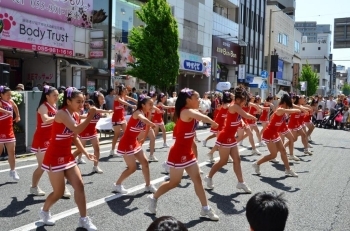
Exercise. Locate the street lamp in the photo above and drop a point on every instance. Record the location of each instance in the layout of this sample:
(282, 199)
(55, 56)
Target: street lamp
(285, 10)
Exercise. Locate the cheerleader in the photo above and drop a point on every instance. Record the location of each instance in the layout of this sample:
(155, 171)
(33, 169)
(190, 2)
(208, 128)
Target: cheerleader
(59, 162)
(118, 119)
(151, 135)
(181, 156)
(158, 117)
(227, 142)
(45, 116)
(272, 138)
(284, 132)
(7, 136)
(90, 132)
(308, 120)
(131, 149)
(264, 117)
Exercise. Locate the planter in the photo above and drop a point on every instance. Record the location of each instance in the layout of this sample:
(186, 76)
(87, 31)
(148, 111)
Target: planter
(20, 143)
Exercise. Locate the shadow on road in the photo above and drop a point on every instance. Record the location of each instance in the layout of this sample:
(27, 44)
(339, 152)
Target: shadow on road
(7, 183)
(225, 203)
(335, 147)
(193, 223)
(121, 205)
(16, 207)
(274, 183)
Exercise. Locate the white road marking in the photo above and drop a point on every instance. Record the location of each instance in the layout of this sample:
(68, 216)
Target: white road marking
(89, 149)
(70, 212)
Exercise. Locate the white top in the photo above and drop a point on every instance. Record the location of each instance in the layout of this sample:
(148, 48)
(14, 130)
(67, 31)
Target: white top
(331, 104)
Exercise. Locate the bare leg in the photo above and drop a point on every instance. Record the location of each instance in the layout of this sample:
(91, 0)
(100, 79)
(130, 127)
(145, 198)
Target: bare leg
(224, 154)
(38, 172)
(58, 186)
(193, 172)
(175, 179)
(142, 159)
(10, 147)
(131, 168)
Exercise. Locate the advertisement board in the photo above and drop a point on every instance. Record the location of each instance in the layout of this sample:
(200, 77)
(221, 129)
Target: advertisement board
(74, 12)
(226, 51)
(122, 55)
(30, 32)
(190, 62)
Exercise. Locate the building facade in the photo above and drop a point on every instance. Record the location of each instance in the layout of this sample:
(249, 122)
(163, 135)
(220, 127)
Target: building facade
(296, 65)
(311, 29)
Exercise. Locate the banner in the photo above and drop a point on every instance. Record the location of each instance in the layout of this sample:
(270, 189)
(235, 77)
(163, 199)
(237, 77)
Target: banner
(206, 66)
(30, 32)
(303, 86)
(122, 55)
(75, 12)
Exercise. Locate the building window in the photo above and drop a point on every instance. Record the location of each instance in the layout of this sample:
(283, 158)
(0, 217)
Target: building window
(280, 38)
(303, 48)
(317, 68)
(319, 48)
(247, 17)
(242, 14)
(296, 47)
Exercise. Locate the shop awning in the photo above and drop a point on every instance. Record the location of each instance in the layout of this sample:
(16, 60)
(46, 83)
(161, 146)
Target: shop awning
(78, 63)
(256, 82)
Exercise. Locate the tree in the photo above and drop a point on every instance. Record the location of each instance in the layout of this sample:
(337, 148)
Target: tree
(155, 45)
(309, 76)
(346, 89)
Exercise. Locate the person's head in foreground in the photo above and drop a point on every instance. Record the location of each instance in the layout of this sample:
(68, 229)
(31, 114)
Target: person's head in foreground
(267, 211)
(167, 223)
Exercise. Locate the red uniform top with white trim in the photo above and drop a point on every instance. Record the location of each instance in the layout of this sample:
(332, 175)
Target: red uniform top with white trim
(226, 137)
(41, 137)
(220, 119)
(252, 111)
(294, 121)
(270, 133)
(265, 114)
(6, 124)
(58, 156)
(90, 131)
(158, 116)
(129, 144)
(118, 114)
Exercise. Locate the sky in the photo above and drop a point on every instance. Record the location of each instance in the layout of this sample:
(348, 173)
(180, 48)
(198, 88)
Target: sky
(324, 12)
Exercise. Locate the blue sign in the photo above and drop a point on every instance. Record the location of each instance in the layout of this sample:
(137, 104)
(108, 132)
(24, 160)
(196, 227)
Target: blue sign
(264, 85)
(249, 79)
(279, 74)
(193, 66)
(264, 74)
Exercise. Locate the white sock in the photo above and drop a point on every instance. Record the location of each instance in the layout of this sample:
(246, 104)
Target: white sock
(206, 208)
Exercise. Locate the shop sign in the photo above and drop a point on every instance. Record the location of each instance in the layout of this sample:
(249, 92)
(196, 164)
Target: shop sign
(96, 54)
(30, 32)
(227, 52)
(97, 44)
(190, 62)
(40, 76)
(283, 82)
(74, 12)
(279, 74)
(241, 73)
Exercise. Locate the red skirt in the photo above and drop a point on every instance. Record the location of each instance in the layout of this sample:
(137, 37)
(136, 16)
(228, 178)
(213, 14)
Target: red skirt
(128, 146)
(180, 157)
(270, 135)
(57, 160)
(6, 133)
(226, 139)
(283, 129)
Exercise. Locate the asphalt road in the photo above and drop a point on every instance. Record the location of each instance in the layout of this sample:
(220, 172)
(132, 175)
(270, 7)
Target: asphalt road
(318, 200)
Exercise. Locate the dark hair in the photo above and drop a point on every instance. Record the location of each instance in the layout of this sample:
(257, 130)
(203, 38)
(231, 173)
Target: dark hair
(4, 89)
(94, 97)
(160, 96)
(47, 90)
(69, 94)
(166, 223)
(287, 100)
(110, 90)
(226, 97)
(267, 211)
(142, 100)
(256, 99)
(269, 98)
(152, 94)
(120, 89)
(240, 93)
(297, 98)
(180, 103)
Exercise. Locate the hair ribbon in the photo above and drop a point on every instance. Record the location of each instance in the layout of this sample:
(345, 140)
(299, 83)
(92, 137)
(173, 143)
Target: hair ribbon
(187, 91)
(70, 91)
(1, 88)
(46, 89)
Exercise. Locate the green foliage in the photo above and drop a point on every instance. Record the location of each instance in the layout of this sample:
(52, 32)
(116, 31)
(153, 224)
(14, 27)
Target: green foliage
(155, 45)
(169, 126)
(308, 75)
(346, 89)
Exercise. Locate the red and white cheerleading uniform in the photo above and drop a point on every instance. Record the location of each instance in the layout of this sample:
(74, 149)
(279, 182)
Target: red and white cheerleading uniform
(301, 119)
(294, 122)
(157, 118)
(271, 132)
(90, 131)
(181, 154)
(58, 156)
(42, 133)
(118, 114)
(307, 118)
(6, 124)
(128, 144)
(246, 109)
(226, 137)
(253, 111)
(264, 117)
(283, 130)
(220, 120)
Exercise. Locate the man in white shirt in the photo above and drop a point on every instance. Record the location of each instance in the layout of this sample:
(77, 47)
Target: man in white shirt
(330, 103)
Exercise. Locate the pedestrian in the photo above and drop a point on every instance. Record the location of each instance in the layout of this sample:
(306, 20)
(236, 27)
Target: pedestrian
(181, 156)
(131, 149)
(59, 161)
(7, 136)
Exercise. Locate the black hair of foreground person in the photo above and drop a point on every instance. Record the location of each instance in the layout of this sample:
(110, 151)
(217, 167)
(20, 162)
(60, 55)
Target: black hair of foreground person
(167, 223)
(267, 211)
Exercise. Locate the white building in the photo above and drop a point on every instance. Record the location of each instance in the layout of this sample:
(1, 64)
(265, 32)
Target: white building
(296, 60)
(316, 54)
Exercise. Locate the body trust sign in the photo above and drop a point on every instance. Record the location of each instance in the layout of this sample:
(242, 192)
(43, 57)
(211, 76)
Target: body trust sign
(75, 12)
(31, 32)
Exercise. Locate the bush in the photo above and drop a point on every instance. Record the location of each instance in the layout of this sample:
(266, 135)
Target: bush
(169, 126)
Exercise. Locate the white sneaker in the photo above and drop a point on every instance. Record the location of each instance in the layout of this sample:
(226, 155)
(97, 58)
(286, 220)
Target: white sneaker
(310, 146)
(165, 145)
(211, 157)
(210, 213)
(204, 143)
(292, 157)
(197, 140)
(152, 158)
(14, 175)
(229, 160)
(290, 172)
(152, 206)
(275, 161)
(36, 191)
(97, 169)
(46, 217)
(262, 144)
(119, 189)
(86, 223)
(111, 152)
(209, 182)
(200, 171)
(150, 188)
(81, 161)
(256, 168)
(66, 193)
(166, 167)
(244, 186)
(306, 151)
(256, 152)
(309, 138)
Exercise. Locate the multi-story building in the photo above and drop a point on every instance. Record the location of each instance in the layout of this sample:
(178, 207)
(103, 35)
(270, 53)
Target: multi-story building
(311, 29)
(296, 65)
(283, 4)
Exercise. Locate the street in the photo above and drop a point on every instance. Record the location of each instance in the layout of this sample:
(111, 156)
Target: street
(318, 200)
